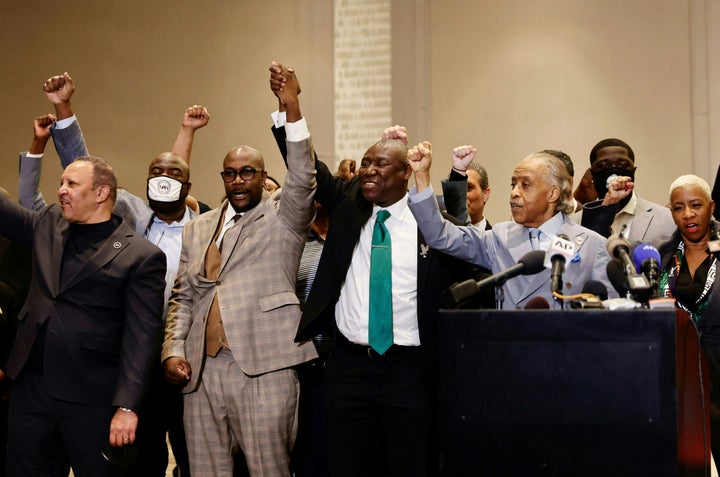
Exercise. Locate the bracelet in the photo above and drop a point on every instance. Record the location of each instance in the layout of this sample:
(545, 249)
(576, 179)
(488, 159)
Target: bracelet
(125, 409)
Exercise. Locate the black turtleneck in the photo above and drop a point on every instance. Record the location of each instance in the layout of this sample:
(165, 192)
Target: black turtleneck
(83, 242)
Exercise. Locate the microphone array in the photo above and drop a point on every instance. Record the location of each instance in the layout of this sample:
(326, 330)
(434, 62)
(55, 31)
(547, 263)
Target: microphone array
(634, 272)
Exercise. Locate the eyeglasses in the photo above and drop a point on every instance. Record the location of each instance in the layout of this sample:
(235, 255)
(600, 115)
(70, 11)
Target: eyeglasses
(246, 174)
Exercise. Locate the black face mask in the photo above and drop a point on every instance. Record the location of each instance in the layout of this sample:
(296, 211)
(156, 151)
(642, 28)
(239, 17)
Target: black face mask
(600, 178)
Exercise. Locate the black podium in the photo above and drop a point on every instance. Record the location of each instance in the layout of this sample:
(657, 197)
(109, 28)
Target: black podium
(569, 393)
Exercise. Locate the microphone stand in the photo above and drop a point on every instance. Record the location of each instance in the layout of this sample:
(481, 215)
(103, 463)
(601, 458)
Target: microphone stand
(499, 296)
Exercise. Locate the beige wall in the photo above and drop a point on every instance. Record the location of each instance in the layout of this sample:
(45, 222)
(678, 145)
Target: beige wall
(137, 65)
(516, 77)
(510, 77)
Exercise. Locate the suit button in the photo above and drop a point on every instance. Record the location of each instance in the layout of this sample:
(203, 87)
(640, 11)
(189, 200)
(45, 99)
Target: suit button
(217, 282)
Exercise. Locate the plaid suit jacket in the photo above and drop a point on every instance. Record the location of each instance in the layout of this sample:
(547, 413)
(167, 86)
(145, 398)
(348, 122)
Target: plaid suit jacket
(256, 284)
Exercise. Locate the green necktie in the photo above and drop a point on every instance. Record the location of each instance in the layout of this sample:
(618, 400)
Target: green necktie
(380, 330)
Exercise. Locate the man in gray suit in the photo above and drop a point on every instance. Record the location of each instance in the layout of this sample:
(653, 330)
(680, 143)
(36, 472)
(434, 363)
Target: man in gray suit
(233, 315)
(88, 332)
(619, 210)
(539, 201)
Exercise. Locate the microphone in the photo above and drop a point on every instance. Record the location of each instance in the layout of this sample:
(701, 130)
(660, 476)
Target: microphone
(537, 303)
(530, 264)
(561, 250)
(596, 288)
(639, 286)
(619, 248)
(616, 274)
(599, 293)
(647, 261)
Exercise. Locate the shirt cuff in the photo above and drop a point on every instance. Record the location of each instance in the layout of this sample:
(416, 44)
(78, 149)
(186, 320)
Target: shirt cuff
(297, 131)
(279, 118)
(415, 196)
(33, 156)
(64, 123)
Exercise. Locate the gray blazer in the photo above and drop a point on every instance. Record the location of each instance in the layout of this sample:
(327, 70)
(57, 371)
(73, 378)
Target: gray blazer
(502, 246)
(652, 223)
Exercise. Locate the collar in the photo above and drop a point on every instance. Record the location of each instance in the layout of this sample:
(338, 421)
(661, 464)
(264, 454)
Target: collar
(397, 210)
(187, 217)
(630, 206)
(230, 214)
(552, 226)
(482, 224)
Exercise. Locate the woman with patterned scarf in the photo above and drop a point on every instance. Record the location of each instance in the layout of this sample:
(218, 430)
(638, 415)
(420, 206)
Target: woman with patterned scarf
(687, 273)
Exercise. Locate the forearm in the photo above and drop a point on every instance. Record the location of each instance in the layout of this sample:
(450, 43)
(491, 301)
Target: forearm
(296, 204)
(29, 194)
(184, 143)
(69, 143)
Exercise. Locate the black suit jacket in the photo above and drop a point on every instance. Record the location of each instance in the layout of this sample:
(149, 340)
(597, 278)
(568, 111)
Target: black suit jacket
(348, 211)
(103, 326)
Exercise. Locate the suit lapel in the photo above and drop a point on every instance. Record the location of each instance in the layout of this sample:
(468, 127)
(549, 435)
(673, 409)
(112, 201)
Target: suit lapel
(54, 267)
(424, 258)
(232, 237)
(578, 236)
(109, 249)
(640, 223)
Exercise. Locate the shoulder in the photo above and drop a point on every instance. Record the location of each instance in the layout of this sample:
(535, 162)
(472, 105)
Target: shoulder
(582, 235)
(648, 206)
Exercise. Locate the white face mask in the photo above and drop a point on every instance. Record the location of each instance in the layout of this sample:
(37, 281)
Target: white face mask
(164, 189)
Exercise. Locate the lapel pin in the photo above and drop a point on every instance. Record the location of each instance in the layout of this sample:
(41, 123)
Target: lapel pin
(117, 245)
(424, 249)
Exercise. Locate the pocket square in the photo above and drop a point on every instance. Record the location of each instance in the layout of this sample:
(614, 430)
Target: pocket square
(576, 258)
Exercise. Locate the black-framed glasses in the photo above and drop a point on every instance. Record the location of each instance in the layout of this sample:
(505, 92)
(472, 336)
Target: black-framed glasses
(246, 174)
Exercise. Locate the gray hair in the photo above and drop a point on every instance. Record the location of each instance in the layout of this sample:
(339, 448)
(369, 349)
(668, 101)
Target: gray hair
(557, 174)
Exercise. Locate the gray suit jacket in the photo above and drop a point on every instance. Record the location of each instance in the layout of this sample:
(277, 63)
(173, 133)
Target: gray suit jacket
(256, 286)
(652, 222)
(502, 247)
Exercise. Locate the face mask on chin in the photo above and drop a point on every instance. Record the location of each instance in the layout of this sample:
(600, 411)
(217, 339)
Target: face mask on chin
(600, 178)
(164, 189)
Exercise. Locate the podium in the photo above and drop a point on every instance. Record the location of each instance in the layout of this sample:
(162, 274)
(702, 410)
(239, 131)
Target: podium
(572, 393)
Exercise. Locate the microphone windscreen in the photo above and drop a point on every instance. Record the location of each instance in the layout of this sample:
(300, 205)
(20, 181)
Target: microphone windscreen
(616, 274)
(596, 288)
(459, 292)
(642, 252)
(533, 262)
(537, 303)
(615, 243)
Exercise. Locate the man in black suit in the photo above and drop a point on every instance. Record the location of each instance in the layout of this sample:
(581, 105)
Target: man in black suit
(15, 264)
(89, 331)
(373, 397)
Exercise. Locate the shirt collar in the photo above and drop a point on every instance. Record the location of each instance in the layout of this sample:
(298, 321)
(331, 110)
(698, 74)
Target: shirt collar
(185, 219)
(551, 226)
(230, 214)
(398, 210)
(630, 206)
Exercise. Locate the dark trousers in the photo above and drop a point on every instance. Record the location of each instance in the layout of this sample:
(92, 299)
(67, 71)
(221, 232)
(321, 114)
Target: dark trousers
(309, 456)
(160, 416)
(377, 411)
(45, 435)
